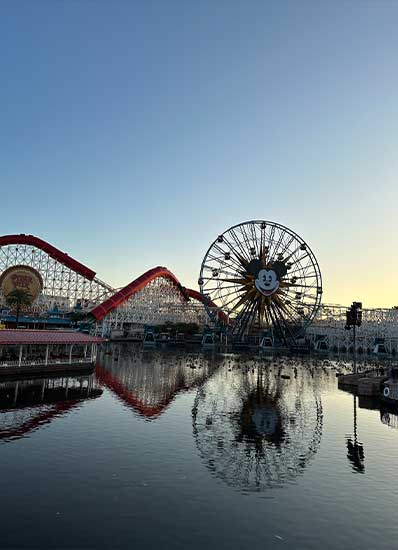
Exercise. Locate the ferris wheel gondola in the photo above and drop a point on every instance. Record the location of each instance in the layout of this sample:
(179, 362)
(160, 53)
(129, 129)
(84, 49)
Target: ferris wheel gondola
(261, 275)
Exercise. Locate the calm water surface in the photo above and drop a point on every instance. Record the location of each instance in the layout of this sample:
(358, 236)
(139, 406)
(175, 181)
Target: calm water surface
(164, 449)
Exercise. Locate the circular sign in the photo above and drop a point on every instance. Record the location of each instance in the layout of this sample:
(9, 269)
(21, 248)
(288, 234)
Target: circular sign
(21, 277)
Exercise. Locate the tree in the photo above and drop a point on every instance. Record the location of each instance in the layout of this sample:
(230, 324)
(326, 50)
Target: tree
(19, 298)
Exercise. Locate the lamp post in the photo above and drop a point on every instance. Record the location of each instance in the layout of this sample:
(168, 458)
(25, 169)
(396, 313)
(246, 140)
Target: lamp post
(355, 451)
(354, 319)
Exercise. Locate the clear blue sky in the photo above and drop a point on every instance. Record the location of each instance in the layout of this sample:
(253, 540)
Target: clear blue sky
(132, 133)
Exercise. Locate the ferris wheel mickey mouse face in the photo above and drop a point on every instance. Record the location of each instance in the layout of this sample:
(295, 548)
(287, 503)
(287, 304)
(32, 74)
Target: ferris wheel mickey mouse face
(268, 280)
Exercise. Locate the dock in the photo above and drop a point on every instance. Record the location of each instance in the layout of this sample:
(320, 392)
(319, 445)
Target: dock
(367, 383)
(43, 352)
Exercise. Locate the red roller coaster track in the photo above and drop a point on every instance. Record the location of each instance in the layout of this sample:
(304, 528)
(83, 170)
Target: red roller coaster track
(134, 401)
(129, 397)
(138, 284)
(55, 253)
(135, 286)
(122, 295)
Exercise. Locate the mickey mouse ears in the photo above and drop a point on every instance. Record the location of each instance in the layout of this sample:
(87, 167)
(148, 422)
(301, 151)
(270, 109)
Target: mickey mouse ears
(256, 265)
(280, 269)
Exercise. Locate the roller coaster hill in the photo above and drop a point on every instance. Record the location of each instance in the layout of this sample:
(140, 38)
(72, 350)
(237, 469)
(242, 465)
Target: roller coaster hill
(65, 293)
(258, 281)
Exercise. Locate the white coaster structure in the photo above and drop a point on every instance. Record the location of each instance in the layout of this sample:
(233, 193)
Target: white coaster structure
(157, 303)
(66, 283)
(377, 325)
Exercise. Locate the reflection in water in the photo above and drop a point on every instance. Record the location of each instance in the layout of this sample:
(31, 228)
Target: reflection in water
(389, 418)
(257, 426)
(25, 405)
(148, 380)
(355, 452)
(388, 414)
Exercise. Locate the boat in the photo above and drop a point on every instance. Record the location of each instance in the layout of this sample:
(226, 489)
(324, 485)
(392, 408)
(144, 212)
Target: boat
(208, 341)
(379, 348)
(149, 339)
(267, 344)
(321, 346)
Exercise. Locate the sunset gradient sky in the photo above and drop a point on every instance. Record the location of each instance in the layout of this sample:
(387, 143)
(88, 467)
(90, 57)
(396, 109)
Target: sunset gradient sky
(132, 133)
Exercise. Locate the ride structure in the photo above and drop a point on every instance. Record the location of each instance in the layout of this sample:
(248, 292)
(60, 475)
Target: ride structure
(62, 288)
(263, 277)
(379, 327)
(66, 284)
(155, 298)
(258, 279)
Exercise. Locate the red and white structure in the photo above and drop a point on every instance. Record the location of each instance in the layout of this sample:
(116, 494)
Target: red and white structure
(155, 297)
(67, 283)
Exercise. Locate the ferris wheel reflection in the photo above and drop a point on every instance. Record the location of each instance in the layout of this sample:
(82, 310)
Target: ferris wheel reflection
(258, 428)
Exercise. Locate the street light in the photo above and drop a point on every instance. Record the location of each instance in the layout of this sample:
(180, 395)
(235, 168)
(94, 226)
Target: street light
(354, 319)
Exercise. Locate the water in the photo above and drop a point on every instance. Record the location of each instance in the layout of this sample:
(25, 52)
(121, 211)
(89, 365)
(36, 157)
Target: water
(186, 450)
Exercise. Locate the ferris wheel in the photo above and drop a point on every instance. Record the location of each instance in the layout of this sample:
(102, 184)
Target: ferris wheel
(255, 430)
(261, 275)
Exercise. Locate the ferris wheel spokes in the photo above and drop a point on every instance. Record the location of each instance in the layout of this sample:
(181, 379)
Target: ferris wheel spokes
(262, 276)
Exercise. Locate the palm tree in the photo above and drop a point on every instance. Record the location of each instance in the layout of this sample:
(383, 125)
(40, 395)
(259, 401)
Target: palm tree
(19, 298)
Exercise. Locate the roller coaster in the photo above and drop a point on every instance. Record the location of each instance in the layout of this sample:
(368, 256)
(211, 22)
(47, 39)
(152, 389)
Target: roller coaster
(68, 286)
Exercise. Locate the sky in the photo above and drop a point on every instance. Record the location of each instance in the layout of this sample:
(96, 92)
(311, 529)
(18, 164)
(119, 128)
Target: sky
(132, 133)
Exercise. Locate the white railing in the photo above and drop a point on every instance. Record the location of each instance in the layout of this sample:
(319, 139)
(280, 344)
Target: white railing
(42, 362)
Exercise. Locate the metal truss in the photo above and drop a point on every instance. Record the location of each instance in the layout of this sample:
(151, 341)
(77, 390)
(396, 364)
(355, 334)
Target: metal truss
(376, 323)
(62, 286)
(160, 301)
